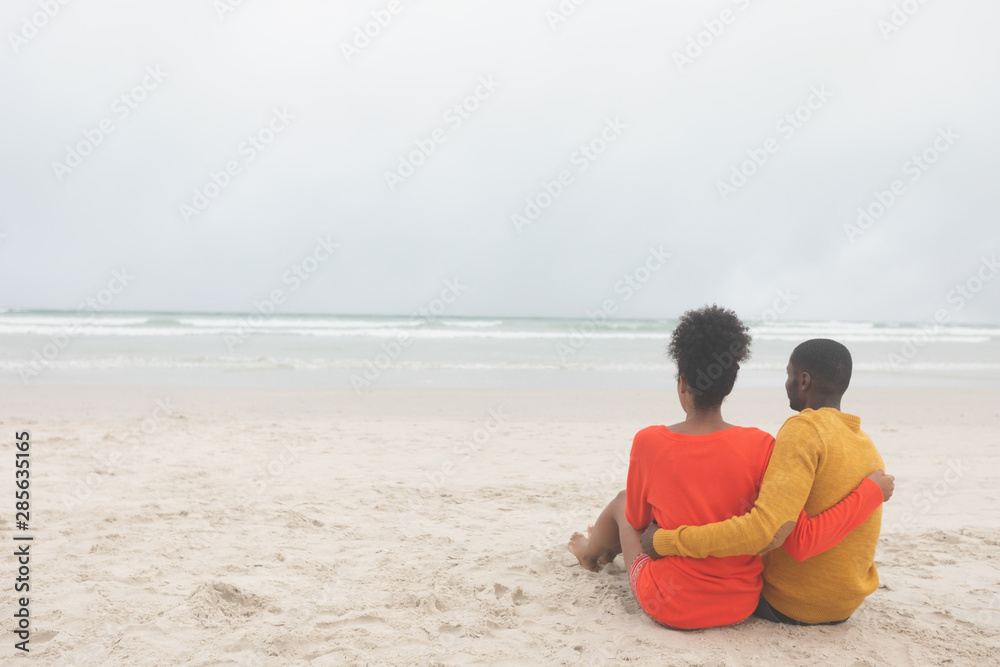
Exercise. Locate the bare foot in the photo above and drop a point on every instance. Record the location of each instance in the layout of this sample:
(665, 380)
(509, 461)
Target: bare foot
(578, 544)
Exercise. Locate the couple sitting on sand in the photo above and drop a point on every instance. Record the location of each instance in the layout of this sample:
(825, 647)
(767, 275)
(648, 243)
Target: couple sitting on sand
(713, 497)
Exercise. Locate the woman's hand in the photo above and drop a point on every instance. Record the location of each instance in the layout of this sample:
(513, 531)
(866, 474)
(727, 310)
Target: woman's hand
(885, 482)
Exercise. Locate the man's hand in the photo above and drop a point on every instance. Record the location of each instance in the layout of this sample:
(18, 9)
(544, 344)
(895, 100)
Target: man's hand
(885, 482)
(779, 538)
(647, 540)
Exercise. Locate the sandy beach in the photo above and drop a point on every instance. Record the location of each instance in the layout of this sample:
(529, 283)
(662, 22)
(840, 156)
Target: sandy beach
(324, 326)
(204, 526)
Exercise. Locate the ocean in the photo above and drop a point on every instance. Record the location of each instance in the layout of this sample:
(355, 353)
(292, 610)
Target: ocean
(364, 352)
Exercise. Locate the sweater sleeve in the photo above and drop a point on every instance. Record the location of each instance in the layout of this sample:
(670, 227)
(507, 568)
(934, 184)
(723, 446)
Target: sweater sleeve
(814, 535)
(783, 493)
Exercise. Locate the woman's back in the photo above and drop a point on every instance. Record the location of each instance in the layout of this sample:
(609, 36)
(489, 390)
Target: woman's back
(679, 479)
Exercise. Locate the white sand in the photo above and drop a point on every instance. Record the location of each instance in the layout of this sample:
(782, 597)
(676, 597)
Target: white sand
(286, 527)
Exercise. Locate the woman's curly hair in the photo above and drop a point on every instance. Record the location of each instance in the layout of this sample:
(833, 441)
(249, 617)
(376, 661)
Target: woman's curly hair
(708, 346)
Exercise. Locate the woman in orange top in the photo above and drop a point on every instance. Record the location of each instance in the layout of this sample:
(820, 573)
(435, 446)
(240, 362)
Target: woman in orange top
(699, 471)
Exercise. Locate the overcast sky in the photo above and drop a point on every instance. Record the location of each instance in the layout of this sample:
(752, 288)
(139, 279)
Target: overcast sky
(339, 111)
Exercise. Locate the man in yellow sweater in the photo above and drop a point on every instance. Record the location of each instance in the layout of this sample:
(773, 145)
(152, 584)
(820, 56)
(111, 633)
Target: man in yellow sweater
(820, 456)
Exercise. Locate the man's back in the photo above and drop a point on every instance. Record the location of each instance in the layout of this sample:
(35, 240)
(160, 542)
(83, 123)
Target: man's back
(832, 585)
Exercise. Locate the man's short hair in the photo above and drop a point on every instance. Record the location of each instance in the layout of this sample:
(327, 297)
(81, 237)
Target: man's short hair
(827, 361)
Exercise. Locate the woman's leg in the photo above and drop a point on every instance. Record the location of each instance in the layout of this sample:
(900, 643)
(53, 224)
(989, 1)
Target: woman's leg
(610, 535)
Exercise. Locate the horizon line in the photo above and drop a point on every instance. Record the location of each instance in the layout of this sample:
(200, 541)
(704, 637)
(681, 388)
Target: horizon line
(6, 310)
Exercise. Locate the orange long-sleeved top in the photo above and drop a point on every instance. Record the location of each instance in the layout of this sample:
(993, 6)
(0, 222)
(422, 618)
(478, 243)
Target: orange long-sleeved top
(680, 479)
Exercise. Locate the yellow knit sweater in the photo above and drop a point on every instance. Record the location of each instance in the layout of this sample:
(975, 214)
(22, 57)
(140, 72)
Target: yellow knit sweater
(819, 457)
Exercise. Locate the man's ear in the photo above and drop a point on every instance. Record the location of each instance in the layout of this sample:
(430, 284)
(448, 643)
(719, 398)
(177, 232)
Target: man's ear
(805, 380)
